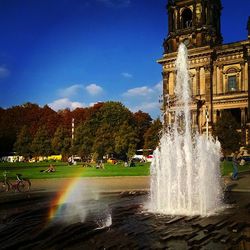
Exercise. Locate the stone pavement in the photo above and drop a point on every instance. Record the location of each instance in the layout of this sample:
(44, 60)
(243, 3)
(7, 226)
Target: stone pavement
(240, 185)
(127, 183)
(119, 221)
(123, 222)
(113, 185)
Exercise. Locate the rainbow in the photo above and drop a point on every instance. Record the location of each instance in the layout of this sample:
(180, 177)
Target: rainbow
(62, 198)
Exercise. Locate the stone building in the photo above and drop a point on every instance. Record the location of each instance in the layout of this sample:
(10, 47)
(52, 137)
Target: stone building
(219, 73)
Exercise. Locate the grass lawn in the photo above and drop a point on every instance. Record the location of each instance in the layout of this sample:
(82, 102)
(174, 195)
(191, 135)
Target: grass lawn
(63, 170)
(227, 167)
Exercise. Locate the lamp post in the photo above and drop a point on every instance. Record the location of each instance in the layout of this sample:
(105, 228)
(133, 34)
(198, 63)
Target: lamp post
(72, 137)
(207, 120)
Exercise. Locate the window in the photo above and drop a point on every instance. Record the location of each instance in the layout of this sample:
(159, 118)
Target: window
(232, 83)
(187, 17)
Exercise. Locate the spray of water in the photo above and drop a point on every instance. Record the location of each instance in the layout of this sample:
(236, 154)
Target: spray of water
(185, 174)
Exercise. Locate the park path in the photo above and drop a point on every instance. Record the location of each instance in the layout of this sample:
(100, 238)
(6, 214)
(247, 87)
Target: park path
(98, 184)
(90, 187)
(120, 184)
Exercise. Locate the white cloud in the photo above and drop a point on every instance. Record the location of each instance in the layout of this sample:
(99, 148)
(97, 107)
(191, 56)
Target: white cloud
(127, 75)
(94, 89)
(4, 72)
(144, 98)
(115, 3)
(158, 87)
(64, 103)
(140, 91)
(71, 90)
(146, 107)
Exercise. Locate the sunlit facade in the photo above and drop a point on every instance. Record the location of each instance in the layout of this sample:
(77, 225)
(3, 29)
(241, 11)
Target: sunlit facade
(219, 73)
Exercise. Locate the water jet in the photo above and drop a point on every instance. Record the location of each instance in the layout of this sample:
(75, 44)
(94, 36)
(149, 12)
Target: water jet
(185, 173)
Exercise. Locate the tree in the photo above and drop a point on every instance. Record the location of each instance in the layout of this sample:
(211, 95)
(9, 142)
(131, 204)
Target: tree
(41, 144)
(226, 131)
(143, 122)
(109, 119)
(152, 135)
(84, 139)
(114, 114)
(23, 143)
(61, 141)
(104, 143)
(126, 140)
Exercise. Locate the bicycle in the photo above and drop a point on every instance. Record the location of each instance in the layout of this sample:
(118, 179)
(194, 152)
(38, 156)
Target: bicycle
(21, 184)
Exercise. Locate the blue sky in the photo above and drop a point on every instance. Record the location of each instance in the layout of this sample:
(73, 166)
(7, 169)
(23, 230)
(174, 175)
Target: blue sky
(73, 53)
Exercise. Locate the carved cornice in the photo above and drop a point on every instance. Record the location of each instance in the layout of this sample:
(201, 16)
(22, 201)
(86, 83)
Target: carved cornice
(231, 96)
(236, 70)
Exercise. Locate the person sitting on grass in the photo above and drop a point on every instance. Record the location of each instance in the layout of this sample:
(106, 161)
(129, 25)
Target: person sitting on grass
(50, 169)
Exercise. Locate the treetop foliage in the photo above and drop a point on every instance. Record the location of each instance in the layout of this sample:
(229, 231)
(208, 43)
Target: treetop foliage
(107, 128)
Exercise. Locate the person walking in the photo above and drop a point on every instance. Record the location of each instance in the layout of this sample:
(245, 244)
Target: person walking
(235, 166)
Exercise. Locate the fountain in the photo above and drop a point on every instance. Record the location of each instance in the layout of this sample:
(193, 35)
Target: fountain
(185, 174)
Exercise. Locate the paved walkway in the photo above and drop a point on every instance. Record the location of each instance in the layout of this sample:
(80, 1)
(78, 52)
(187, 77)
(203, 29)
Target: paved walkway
(97, 185)
(126, 183)
(240, 185)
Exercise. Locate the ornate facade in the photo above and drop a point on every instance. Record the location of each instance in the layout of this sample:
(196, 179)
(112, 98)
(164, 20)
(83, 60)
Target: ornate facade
(219, 73)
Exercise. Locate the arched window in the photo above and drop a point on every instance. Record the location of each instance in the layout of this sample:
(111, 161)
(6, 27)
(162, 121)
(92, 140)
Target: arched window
(186, 17)
(232, 81)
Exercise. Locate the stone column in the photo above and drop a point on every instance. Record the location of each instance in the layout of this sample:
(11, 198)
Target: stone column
(198, 81)
(215, 116)
(242, 66)
(165, 76)
(178, 19)
(243, 116)
(219, 89)
(203, 15)
(193, 89)
(208, 13)
(194, 14)
(245, 75)
(221, 84)
(209, 90)
(238, 81)
(248, 76)
(215, 84)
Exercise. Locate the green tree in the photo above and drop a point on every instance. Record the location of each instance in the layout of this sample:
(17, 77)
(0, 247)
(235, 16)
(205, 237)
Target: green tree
(143, 122)
(109, 119)
(41, 144)
(114, 114)
(84, 139)
(104, 141)
(61, 142)
(126, 140)
(152, 135)
(226, 131)
(23, 142)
